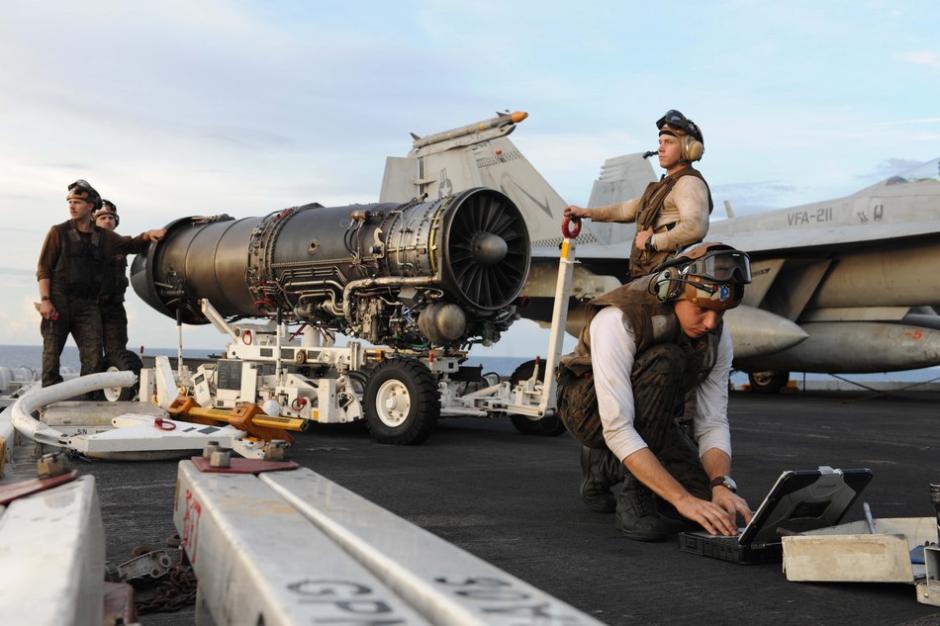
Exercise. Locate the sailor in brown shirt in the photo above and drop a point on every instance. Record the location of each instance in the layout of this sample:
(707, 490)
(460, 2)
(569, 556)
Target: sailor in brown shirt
(70, 274)
(673, 212)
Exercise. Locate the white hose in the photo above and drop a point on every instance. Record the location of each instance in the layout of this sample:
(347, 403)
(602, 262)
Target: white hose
(35, 399)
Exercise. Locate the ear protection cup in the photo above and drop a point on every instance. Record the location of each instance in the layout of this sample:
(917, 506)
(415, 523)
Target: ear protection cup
(692, 148)
(665, 288)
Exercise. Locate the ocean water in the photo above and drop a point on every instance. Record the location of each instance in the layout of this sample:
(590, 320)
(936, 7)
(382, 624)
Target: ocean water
(31, 356)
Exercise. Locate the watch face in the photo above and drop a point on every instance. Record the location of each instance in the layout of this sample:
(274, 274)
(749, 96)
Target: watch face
(725, 481)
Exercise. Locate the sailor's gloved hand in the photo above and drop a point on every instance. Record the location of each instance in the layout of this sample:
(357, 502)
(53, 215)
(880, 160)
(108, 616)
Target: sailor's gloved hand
(576, 211)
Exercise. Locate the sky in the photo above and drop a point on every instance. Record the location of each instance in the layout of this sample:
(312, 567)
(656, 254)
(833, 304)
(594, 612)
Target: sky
(183, 107)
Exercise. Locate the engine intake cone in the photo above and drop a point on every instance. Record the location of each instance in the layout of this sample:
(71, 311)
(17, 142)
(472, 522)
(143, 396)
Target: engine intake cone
(489, 249)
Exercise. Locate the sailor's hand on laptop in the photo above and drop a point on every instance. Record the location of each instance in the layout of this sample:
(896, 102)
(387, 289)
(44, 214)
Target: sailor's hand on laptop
(732, 503)
(712, 517)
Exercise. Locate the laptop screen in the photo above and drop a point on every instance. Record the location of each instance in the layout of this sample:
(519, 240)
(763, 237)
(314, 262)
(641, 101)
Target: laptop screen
(804, 500)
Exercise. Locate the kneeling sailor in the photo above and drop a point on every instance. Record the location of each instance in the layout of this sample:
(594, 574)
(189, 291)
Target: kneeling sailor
(662, 337)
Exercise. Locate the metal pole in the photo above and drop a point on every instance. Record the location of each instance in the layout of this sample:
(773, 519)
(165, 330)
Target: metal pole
(277, 347)
(559, 314)
(179, 343)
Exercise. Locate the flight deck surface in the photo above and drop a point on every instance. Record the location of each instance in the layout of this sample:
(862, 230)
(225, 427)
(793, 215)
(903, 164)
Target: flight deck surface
(513, 500)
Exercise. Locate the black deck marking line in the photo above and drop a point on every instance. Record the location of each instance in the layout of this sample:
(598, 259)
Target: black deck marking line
(208, 430)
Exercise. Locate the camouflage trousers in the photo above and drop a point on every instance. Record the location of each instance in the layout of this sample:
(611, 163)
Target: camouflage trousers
(81, 318)
(657, 379)
(114, 327)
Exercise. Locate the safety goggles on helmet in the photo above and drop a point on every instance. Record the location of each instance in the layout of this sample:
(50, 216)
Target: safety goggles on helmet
(720, 266)
(81, 189)
(677, 120)
(83, 185)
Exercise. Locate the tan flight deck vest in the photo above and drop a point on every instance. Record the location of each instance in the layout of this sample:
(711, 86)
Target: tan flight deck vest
(652, 322)
(653, 200)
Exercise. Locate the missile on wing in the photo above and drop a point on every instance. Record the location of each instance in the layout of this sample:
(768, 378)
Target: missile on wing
(441, 272)
(501, 120)
(854, 347)
(756, 331)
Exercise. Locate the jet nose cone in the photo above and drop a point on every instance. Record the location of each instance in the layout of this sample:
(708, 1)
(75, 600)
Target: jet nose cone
(489, 249)
(756, 331)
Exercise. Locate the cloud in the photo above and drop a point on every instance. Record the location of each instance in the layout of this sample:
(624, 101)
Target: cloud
(754, 196)
(921, 57)
(918, 120)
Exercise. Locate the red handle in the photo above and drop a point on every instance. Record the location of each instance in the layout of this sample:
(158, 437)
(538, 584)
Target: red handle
(164, 424)
(566, 227)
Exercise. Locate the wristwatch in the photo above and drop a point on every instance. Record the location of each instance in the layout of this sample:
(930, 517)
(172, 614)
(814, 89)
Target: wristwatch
(44, 298)
(725, 481)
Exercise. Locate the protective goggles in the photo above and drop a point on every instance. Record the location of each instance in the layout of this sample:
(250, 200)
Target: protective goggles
(720, 266)
(81, 184)
(81, 189)
(677, 120)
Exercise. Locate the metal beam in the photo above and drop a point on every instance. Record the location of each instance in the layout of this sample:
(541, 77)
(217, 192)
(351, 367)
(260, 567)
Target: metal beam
(259, 561)
(52, 562)
(446, 584)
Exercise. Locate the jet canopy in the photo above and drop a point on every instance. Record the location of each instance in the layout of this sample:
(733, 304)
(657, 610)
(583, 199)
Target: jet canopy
(929, 171)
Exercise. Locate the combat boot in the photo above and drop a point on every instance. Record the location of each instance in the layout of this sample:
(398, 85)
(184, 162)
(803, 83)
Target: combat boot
(636, 513)
(596, 479)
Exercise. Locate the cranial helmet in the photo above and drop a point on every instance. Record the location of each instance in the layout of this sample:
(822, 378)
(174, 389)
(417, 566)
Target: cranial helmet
(686, 131)
(108, 207)
(82, 190)
(711, 275)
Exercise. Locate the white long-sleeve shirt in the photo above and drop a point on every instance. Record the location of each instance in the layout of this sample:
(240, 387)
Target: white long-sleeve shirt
(613, 350)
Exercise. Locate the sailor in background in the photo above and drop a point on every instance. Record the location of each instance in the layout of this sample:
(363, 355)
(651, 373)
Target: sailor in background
(673, 212)
(113, 285)
(663, 337)
(70, 273)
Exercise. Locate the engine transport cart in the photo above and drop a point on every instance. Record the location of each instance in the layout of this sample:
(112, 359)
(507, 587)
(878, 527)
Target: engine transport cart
(271, 380)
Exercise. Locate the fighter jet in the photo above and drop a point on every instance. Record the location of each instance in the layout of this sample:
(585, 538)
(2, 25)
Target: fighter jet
(841, 286)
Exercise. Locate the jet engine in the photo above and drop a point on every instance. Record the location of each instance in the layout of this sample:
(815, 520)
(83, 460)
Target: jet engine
(438, 273)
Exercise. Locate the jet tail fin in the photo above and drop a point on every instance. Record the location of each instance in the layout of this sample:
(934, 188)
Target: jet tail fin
(621, 178)
(477, 155)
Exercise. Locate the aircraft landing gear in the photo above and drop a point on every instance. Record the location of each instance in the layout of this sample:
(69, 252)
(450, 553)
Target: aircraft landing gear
(768, 382)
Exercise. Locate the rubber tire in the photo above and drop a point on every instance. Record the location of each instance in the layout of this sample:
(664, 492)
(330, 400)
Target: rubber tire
(125, 361)
(425, 406)
(550, 426)
(768, 382)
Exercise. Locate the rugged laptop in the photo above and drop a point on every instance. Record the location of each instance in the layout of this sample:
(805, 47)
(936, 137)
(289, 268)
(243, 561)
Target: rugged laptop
(800, 500)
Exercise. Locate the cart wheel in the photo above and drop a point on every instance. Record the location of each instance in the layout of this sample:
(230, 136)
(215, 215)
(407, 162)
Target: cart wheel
(402, 403)
(768, 382)
(550, 426)
(125, 361)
